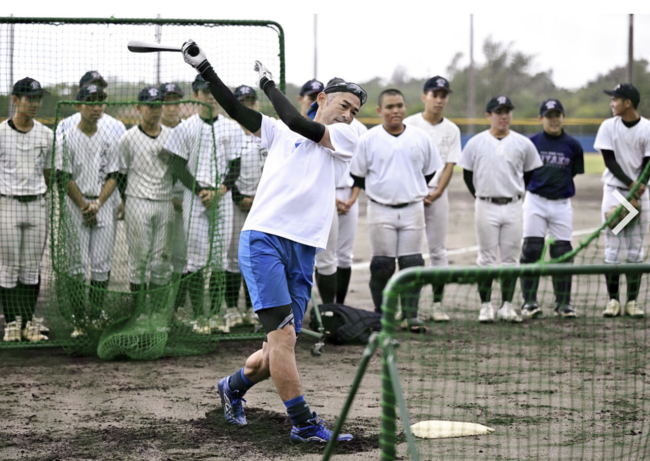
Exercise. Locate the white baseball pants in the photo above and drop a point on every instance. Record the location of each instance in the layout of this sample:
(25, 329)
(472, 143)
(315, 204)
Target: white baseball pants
(542, 214)
(340, 243)
(498, 229)
(238, 220)
(436, 218)
(396, 232)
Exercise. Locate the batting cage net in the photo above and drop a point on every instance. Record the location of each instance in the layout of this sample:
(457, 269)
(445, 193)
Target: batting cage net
(122, 206)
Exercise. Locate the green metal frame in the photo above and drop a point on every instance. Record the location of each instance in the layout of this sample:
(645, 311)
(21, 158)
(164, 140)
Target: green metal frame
(391, 393)
(160, 21)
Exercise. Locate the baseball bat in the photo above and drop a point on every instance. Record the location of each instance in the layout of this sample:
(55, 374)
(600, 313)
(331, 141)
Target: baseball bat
(137, 46)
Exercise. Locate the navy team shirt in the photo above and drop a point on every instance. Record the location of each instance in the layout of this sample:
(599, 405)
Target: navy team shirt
(563, 159)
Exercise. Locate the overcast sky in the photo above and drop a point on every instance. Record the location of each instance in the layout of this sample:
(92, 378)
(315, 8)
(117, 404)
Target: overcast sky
(359, 43)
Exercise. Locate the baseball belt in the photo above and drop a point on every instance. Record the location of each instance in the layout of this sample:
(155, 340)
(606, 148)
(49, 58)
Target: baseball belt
(24, 198)
(500, 200)
(399, 205)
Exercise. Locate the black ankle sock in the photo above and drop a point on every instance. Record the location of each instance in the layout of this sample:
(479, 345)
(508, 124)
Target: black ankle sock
(508, 289)
(326, 287)
(298, 410)
(485, 290)
(612, 285)
(633, 285)
(233, 283)
(343, 276)
(181, 294)
(438, 292)
(196, 286)
(239, 382)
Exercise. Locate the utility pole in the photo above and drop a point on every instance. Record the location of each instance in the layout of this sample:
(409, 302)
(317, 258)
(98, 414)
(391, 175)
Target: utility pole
(158, 38)
(10, 106)
(315, 46)
(630, 51)
(471, 90)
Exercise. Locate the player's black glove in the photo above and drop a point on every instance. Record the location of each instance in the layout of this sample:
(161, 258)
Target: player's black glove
(265, 77)
(195, 56)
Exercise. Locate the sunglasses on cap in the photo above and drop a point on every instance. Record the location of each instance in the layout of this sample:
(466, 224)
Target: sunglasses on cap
(347, 87)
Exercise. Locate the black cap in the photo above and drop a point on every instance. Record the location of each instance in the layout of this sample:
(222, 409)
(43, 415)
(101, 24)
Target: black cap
(149, 94)
(91, 92)
(550, 105)
(626, 91)
(199, 83)
(245, 92)
(311, 87)
(92, 76)
(335, 80)
(27, 87)
(498, 102)
(170, 88)
(437, 83)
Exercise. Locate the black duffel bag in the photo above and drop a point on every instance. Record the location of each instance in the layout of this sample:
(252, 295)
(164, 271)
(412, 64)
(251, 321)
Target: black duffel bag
(345, 324)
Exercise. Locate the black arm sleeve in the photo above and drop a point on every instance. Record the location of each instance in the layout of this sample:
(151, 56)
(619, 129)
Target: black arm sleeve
(234, 169)
(359, 182)
(61, 180)
(429, 177)
(468, 177)
(121, 181)
(644, 164)
(613, 166)
(179, 168)
(237, 196)
(528, 177)
(248, 118)
(290, 115)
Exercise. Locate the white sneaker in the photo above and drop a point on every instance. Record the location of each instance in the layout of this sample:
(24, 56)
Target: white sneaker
(613, 309)
(234, 317)
(12, 331)
(438, 314)
(33, 333)
(486, 315)
(39, 321)
(78, 332)
(632, 310)
(251, 318)
(507, 313)
(217, 323)
(425, 313)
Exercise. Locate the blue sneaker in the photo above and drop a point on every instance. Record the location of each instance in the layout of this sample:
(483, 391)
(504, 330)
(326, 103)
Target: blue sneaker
(314, 430)
(232, 404)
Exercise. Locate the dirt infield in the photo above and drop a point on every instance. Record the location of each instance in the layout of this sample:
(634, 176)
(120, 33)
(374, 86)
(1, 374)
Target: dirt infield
(71, 408)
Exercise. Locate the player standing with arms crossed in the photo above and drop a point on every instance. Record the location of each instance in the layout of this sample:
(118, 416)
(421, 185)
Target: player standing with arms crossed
(624, 142)
(334, 265)
(497, 164)
(253, 157)
(394, 163)
(148, 200)
(87, 161)
(205, 151)
(446, 136)
(289, 220)
(547, 206)
(24, 144)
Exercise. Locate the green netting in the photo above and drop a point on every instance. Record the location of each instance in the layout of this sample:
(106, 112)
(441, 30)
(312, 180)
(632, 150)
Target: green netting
(135, 283)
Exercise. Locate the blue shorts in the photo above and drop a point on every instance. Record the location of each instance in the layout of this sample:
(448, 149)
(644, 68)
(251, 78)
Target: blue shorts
(278, 271)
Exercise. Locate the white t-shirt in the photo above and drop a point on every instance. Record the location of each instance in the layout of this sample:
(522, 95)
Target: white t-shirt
(253, 157)
(23, 158)
(193, 140)
(142, 158)
(395, 166)
(499, 165)
(630, 145)
(446, 136)
(295, 195)
(89, 159)
(346, 180)
(106, 121)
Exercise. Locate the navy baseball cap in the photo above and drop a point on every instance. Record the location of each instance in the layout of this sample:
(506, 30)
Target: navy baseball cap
(245, 92)
(625, 91)
(311, 87)
(27, 87)
(498, 102)
(91, 93)
(550, 105)
(170, 88)
(437, 83)
(92, 76)
(149, 94)
(199, 83)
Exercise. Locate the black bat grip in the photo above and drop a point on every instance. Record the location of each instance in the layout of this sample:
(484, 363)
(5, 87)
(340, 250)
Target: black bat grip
(193, 50)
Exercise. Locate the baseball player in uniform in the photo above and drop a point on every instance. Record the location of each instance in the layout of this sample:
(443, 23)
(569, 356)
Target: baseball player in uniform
(171, 92)
(289, 220)
(308, 93)
(394, 163)
(547, 206)
(253, 156)
(149, 210)
(205, 152)
(24, 143)
(624, 142)
(497, 164)
(86, 156)
(446, 137)
(334, 265)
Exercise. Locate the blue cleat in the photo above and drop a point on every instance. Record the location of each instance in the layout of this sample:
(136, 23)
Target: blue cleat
(314, 430)
(233, 407)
